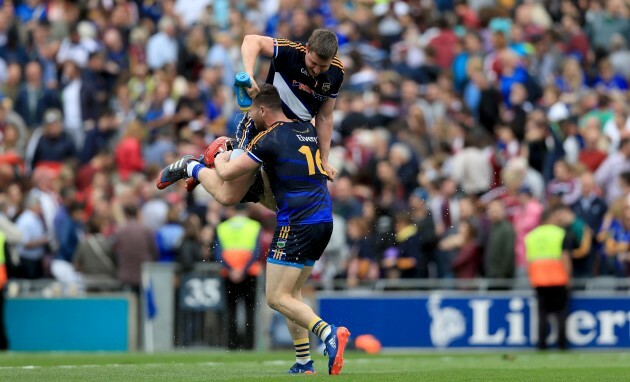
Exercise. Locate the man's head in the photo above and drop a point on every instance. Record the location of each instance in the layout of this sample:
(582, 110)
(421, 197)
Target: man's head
(266, 107)
(321, 49)
(496, 210)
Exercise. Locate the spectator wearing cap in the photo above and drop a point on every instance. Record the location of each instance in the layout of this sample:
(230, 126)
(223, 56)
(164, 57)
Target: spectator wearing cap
(33, 99)
(607, 175)
(54, 146)
(162, 47)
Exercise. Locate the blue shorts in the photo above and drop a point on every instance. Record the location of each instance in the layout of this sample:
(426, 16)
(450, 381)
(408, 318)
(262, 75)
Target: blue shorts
(299, 245)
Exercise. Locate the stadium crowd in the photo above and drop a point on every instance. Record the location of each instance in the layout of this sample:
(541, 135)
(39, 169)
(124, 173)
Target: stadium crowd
(458, 123)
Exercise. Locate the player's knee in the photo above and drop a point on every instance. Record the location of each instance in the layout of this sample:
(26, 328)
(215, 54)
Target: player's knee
(275, 300)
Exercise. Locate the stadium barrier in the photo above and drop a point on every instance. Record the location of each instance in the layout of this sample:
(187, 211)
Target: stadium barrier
(464, 319)
(106, 322)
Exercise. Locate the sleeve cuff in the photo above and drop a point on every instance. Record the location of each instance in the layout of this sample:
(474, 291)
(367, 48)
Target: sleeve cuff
(254, 157)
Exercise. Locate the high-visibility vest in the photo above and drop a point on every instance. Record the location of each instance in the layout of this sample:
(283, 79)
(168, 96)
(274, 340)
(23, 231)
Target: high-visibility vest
(543, 248)
(238, 238)
(3, 266)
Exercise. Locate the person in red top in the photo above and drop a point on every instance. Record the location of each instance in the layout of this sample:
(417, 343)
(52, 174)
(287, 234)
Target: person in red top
(591, 156)
(129, 151)
(444, 44)
(577, 41)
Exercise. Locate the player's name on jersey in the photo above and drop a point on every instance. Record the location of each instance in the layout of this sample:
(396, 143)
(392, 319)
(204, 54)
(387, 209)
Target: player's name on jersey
(306, 139)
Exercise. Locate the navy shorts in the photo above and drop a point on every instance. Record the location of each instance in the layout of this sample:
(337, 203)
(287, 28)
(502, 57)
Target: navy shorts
(299, 245)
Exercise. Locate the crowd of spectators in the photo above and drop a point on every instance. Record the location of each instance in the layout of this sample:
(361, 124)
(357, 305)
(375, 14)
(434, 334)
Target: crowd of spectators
(458, 123)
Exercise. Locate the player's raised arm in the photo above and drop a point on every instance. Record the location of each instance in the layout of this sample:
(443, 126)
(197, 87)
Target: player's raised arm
(324, 128)
(235, 168)
(254, 45)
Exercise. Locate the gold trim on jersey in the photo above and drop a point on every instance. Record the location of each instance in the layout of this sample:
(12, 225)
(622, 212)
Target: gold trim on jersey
(262, 134)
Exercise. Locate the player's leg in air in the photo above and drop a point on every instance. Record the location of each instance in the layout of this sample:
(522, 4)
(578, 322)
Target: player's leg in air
(289, 264)
(252, 187)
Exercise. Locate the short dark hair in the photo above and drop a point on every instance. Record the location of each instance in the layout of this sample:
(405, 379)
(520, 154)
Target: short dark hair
(323, 43)
(551, 211)
(268, 97)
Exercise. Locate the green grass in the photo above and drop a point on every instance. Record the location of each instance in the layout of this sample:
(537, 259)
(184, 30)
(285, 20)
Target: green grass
(271, 366)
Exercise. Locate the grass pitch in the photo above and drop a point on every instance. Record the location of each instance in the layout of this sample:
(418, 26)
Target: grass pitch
(271, 366)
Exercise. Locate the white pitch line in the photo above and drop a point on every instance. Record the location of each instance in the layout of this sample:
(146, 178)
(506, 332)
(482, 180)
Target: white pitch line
(31, 367)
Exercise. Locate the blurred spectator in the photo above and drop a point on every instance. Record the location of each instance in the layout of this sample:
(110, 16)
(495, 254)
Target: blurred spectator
(344, 202)
(404, 263)
(467, 261)
(471, 166)
(591, 156)
(94, 257)
(607, 175)
(426, 231)
(169, 236)
(54, 146)
(79, 44)
(68, 231)
(363, 262)
(529, 211)
(72, 95)
(35, 239)
(162, 47)
(134, 244)
(334, 260)
(499, 256)
(33, 98)
(603, 25)
(190, 250)
(445, 206)
(129, 151)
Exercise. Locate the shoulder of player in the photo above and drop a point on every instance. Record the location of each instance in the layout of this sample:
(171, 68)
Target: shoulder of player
(282, 42)
(337, 65)
(264, 136)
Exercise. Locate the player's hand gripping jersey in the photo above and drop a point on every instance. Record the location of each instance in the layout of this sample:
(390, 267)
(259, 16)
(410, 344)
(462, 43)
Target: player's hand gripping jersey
(290, 156)
(302, 95)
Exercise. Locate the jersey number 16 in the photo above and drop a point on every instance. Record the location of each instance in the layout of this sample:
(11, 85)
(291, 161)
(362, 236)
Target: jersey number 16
(308, 153)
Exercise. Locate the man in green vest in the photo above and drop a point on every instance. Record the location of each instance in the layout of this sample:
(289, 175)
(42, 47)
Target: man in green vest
(237, 247)
(549, 267)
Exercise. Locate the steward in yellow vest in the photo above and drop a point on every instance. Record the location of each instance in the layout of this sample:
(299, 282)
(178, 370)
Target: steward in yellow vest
(549, 269)
(237, 247)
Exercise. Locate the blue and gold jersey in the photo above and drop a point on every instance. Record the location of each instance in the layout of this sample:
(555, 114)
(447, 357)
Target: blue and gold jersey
(290, 156)
(302, 95)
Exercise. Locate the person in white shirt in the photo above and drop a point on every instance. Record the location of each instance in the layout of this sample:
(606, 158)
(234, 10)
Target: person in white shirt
(34, 239)
(162, 46)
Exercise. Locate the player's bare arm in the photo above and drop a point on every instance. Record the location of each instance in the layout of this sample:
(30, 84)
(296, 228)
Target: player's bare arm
(324, 128)
(253, 46)
(235, 168)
